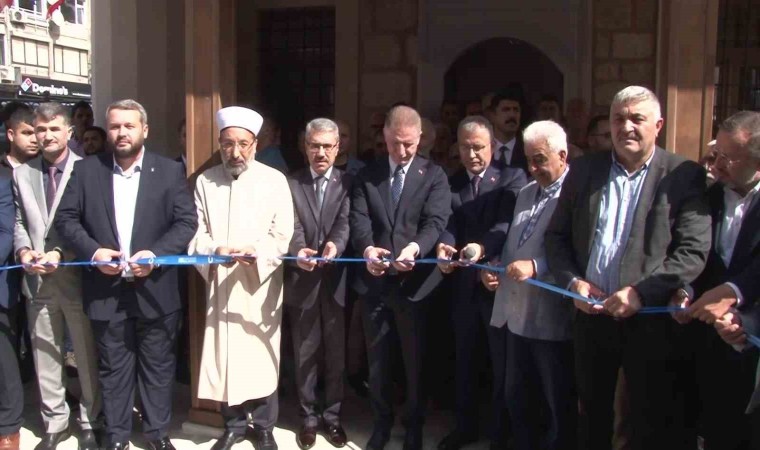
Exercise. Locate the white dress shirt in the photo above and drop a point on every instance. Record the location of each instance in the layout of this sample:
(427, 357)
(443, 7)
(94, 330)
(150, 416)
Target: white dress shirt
(405, 167)
(125, 186)
(327, 176)
(733, 216)
(508, 153)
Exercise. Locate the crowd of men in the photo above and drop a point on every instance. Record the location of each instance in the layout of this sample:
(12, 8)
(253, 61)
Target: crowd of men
(652, 351)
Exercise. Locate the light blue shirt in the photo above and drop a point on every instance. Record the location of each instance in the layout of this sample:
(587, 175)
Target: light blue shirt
(618, 206)
(272, 157)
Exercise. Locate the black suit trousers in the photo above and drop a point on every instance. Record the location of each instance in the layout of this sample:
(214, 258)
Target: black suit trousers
(11, 389)
(388, 314)
(137, 351)
(318, 332)
(725, 380)
(263, 412)
(655, 382)
(471, 318)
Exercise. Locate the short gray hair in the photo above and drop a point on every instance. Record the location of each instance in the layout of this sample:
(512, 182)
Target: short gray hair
(746, 122)
(471, 123)
(403, 116)
(637, 94)
(51, 110)
(129, 105)
(548, 132)
(322, 125)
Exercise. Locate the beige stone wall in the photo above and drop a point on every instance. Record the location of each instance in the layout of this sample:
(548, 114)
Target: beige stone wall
(387, 58)
(624, 47)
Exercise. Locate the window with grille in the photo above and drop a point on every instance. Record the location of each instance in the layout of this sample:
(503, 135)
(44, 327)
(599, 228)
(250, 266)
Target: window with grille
(297, 67)
(737, 71)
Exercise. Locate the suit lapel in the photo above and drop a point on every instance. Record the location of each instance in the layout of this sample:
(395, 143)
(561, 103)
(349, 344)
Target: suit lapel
(307, 184)
(412, 182)
(106, 188)
(38, 187)
(61, 187)
(600, 174)
(147, 172)
(329, 203)
(654, 174)
(383, 184)
(748, 237)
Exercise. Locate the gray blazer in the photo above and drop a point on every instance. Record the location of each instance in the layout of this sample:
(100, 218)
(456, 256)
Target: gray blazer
(34, 229)
(527, 310)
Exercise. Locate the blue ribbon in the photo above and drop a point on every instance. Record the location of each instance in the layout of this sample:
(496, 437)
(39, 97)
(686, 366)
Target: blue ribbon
(193, 260)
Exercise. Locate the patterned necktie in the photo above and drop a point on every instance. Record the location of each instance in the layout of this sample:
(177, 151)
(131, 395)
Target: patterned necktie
(397, 186)
(51, 187)
(320, 183)
(475, 184)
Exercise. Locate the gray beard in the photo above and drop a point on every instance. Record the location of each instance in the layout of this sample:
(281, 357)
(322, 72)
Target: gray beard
(235, 171)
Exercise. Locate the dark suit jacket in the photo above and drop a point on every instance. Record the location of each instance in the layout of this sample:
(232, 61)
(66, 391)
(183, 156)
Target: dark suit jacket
(165, 221)
(670, 234)
(485, 219)
(422, 213)
(8, 278)
(744, 268)
(313, 229)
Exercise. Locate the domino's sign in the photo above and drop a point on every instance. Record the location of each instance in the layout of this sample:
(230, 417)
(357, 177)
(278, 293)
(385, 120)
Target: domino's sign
(41, 87)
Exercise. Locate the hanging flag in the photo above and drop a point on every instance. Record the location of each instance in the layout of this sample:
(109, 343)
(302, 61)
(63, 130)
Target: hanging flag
(52, 8)
(4, 3)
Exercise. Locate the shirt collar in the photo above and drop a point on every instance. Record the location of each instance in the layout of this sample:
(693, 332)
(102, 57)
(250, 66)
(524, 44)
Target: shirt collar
(136, 167)
(405, 166)
(510, 144)
(327, 174)
(471, 175)
(554, 187)
(619, 166)
(61, 164)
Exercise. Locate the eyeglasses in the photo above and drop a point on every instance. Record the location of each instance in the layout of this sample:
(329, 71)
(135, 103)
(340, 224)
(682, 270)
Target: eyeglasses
(474, 148)
(720, 156)
(230, 146)
(315, 147)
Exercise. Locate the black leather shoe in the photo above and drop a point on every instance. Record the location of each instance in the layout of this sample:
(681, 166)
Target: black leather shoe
(456, 440)
(88, 441)
(227, 440)
(335, 435)
(378, 439)
(51, 440)
(118, 446)
(161, 444)
(263, 439)
(413, 439)
(306, 437)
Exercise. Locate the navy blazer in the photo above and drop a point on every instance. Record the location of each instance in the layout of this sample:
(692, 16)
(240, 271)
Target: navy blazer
(744, 267)
(422, 213)
(165, 221)
(314, 228)
(9, 279)
(485, 219)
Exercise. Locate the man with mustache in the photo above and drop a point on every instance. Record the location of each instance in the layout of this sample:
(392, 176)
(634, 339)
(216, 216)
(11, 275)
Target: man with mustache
(120, 208)
(629, 229)
(245, 211)
(315, 293)
(505, 115)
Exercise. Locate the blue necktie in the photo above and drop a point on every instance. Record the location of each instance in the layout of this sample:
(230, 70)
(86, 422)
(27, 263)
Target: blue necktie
(397, 186)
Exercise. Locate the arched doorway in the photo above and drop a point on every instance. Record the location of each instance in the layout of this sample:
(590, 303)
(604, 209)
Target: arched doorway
(493, 64)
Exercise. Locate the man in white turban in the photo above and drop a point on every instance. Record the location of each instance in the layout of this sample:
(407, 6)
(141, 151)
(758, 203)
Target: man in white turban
(244, 210)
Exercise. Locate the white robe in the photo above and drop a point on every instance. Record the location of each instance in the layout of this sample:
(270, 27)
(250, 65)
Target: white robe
(241, 344)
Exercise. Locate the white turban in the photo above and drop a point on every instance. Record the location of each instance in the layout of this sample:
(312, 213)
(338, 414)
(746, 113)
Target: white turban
(235, 116)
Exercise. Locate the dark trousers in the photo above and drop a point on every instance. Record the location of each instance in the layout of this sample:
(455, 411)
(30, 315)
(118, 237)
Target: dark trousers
(471, 318)
(721, 404)
(11, 389)
(538, 372)
(137, 351)
(263, 411)
(654, 374)
(384, 318)
(318, 332)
